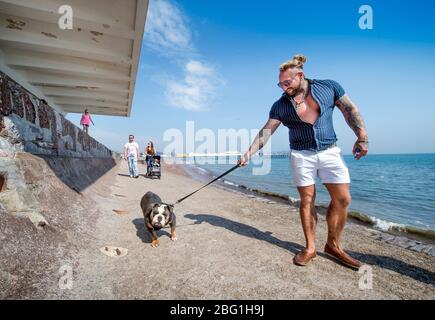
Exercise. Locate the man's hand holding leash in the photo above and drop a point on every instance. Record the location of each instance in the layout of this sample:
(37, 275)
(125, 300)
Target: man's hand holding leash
(243, 161)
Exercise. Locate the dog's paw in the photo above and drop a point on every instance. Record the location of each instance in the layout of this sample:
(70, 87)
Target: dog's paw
(155, 243)
(174, 237)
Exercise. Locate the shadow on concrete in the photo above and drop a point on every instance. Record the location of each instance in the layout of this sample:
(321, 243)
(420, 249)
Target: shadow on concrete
(384, 262)
(244, 230)
(403, 268)
(142, 232)
(124, 175)
(150, 177)
(76, 173)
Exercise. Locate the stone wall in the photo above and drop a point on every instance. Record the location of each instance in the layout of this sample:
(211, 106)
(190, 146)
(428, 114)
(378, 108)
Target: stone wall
(29, 124)
(30, 129)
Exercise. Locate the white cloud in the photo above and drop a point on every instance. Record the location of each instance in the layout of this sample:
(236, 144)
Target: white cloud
(197, 88)
(199, 69)
(167, 33)
(166, 29)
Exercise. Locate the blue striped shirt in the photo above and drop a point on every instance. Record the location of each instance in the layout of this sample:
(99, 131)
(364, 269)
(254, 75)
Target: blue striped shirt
(303, 135)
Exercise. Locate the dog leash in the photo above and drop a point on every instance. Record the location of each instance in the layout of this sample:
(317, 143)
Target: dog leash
(222, 175)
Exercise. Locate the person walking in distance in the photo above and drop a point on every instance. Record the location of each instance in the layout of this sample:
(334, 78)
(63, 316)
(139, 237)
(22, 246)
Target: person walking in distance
(150, 152)
(131, 154)
(86, 120)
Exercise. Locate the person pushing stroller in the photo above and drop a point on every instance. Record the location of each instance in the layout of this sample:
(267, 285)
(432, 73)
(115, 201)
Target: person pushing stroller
(150, 152)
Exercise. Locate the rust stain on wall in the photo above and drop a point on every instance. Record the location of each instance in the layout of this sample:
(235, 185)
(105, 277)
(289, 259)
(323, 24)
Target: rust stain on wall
(15, 24)
(48, 34)
(96, 33)
(44, 122)
(17, 100)
(30, 108)
(5, 103)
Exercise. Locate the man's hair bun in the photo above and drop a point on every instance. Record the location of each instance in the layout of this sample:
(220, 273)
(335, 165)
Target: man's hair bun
(301, 58)
(297, 62)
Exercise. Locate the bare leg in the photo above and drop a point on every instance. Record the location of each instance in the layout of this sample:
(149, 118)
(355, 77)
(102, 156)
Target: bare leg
(308, 216)
(336, 219)
(337, 212)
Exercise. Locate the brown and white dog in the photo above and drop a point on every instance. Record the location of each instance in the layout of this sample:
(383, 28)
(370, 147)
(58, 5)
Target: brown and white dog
(157, 215)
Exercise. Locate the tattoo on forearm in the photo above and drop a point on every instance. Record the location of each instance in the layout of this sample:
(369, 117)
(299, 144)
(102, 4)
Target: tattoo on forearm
(260, 140)
(352, 115)
(355, 120)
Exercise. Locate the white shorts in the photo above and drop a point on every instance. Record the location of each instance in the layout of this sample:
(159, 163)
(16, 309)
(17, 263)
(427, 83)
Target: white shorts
(328, 165)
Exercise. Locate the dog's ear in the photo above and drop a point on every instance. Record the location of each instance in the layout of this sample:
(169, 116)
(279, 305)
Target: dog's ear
(171, 215)
(152, 207)
(170, 208)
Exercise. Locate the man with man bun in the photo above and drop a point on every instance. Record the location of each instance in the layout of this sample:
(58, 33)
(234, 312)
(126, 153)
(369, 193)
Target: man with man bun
(305, 108)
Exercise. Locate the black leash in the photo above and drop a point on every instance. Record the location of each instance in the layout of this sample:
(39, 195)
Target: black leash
(222, 175)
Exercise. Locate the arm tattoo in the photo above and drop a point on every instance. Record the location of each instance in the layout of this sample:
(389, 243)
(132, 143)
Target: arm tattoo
(259, 141)
(352, 115)
(263, 137)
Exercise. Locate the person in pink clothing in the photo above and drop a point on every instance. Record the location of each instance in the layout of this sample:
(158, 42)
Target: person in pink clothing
(86, 121)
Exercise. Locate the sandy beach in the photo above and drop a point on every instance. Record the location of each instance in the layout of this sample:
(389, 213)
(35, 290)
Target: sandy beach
(231, 246)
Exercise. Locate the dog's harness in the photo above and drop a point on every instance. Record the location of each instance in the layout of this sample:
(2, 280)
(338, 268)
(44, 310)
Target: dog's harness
(222, 175)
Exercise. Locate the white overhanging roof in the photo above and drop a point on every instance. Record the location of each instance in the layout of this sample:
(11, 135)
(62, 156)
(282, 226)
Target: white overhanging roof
(92, 66)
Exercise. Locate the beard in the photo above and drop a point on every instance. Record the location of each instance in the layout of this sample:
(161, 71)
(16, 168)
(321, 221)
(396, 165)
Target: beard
(292, 92)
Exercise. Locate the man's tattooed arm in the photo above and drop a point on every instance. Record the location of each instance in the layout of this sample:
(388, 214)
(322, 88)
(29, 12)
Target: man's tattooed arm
(263, 136)
(260, 140)
(356, 123)
(353, 117)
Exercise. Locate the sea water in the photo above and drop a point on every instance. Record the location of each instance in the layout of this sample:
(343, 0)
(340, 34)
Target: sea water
(391, 190)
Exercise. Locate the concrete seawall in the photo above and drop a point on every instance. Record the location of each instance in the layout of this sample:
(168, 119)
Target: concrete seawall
(46, 164)
(29, 125)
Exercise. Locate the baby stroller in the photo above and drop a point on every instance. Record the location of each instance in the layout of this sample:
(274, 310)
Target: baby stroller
(155, 169)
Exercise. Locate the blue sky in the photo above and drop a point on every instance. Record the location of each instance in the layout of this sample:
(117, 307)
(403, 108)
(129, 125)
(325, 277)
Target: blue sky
(216, 63)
